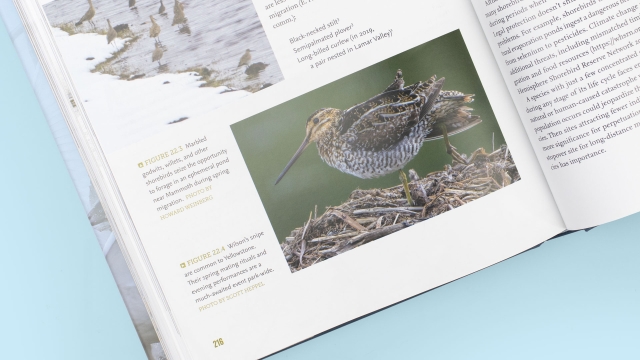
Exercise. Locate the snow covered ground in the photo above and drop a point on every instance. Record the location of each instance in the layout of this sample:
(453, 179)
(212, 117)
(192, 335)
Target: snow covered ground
(125, 112)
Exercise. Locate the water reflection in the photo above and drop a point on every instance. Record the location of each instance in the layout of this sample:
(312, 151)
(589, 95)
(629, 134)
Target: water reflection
(196, 35)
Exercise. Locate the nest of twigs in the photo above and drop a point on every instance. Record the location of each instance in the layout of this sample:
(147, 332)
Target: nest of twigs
(371, 214)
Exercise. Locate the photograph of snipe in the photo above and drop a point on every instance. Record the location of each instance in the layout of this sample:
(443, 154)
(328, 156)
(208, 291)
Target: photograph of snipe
(385, 148)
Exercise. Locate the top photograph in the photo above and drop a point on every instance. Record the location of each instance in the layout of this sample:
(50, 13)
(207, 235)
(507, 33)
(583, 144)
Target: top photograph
(143, 66)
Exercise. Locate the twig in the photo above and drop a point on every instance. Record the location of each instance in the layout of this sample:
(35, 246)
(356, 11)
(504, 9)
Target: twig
(378, 210)
(303, 246)
(354, 224)
(333, 237)
(376, 234)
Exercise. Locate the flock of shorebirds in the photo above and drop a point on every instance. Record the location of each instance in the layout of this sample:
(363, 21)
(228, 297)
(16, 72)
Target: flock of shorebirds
(179, 18)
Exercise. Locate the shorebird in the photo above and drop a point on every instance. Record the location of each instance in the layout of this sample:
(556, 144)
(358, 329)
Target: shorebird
(111, 35)
(384, 133)
(161, 9)
(157, 54)
(178, 13)
(255, 68)
(178, 6)
(245, 58)
(88, 15)
(155, 29)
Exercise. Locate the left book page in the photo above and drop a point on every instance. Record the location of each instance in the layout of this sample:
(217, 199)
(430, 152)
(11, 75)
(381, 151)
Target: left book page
(257, 211)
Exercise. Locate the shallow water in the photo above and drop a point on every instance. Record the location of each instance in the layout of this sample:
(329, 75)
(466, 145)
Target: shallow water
(216, 34)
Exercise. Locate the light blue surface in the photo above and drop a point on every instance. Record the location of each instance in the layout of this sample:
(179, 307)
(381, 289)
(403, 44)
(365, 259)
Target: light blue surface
(58, 298)
(576, 297)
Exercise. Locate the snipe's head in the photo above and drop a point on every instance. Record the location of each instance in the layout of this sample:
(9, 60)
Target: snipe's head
(317, 124)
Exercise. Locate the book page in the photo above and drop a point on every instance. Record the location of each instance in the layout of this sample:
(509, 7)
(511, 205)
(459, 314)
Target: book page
(573, 70)
(242, 259)
(292, 166)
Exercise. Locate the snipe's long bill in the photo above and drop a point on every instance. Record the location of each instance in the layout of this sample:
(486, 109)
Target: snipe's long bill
(384, 133)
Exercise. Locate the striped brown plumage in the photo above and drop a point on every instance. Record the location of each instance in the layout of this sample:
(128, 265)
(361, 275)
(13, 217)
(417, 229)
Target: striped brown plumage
(382, 134)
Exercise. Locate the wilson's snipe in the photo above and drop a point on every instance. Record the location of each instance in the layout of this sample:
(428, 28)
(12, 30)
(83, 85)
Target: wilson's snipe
(382, 134)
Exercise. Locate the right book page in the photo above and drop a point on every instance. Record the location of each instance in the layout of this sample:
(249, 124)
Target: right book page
(572, 68)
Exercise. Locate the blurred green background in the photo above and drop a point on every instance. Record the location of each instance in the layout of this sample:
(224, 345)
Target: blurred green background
(268, 140)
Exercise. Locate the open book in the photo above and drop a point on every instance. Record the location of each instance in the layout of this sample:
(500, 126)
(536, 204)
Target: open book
(273, 169)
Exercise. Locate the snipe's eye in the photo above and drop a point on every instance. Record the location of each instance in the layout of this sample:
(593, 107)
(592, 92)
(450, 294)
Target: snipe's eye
(316, 120)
